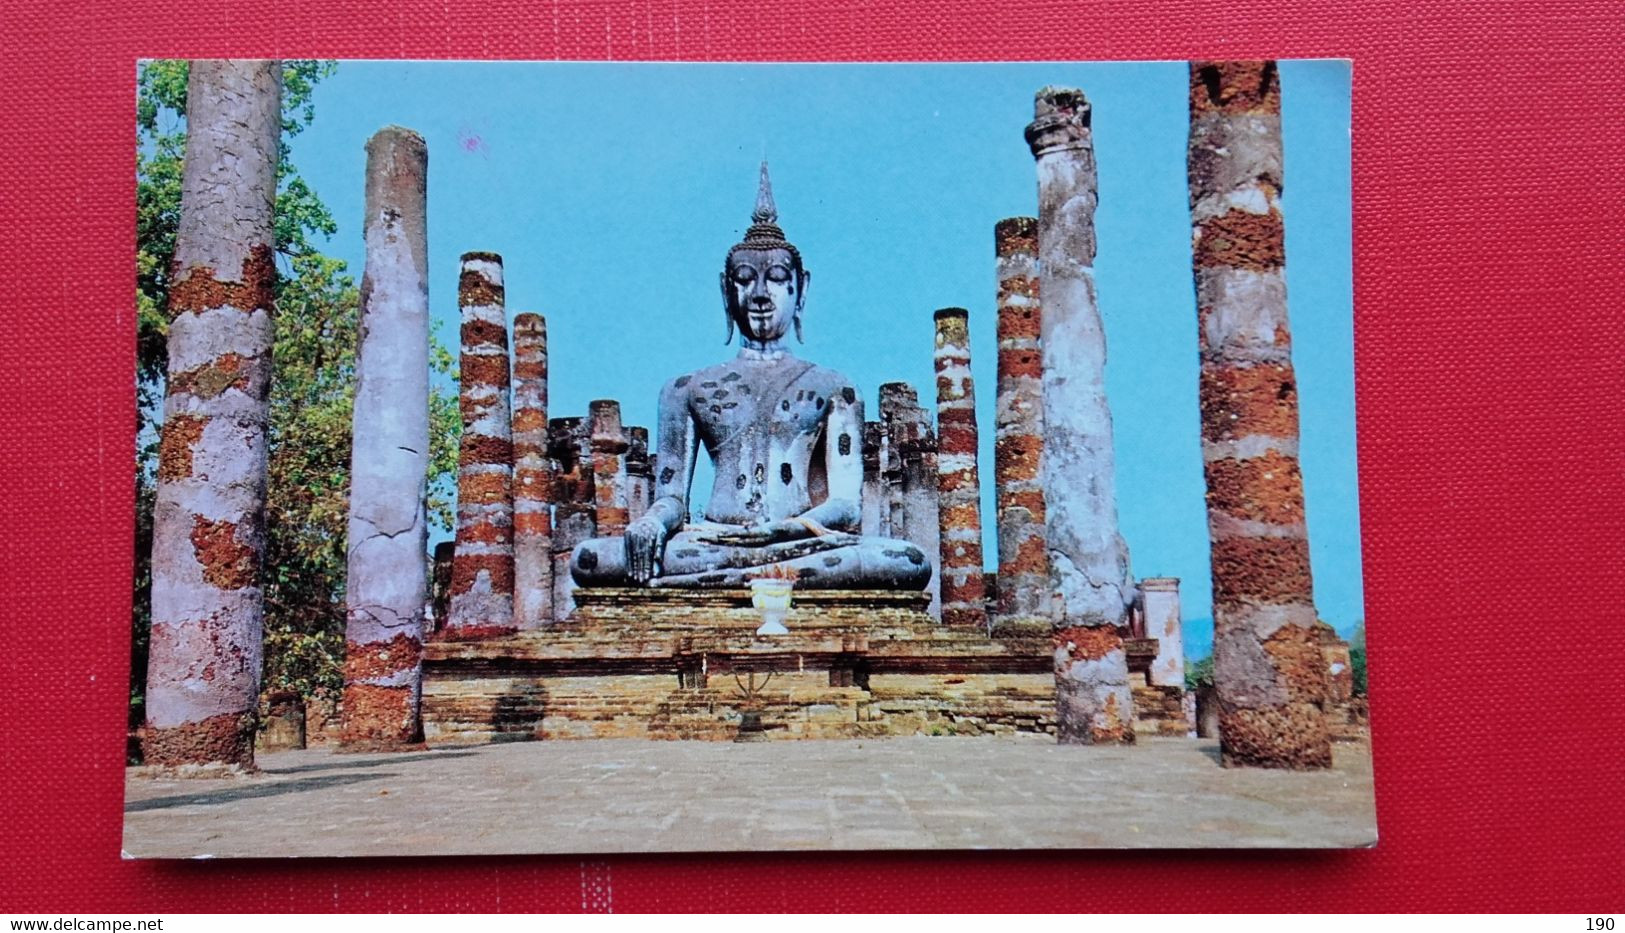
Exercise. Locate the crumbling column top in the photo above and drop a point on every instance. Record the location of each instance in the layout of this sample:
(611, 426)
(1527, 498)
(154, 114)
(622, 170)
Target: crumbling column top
(604, 414)
(1015, 235)
(1160, 583)
(953, 327)
(637, 450)
(1235, 87)
(1061, 117)
(898, 396)
(397, 135)
(480, 282)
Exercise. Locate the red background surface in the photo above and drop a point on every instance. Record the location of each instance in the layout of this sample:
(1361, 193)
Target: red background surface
(1489, 190)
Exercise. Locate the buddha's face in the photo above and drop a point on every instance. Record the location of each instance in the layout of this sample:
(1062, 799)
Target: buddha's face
(764, 289)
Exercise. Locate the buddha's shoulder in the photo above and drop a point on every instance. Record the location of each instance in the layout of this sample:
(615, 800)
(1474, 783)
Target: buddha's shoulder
(829, 380)
(723, 375)
(687, 383)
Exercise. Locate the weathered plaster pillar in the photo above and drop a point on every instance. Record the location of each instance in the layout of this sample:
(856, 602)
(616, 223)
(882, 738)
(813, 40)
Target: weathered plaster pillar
(959, 487)
(1267, 666)
(387, 572)
(1160, 596)
(609, 477)
(575, 502)
(532, 477)
(203, 673)
(482, 572)
(1088, 559)
(640, 481)
(1024, 586)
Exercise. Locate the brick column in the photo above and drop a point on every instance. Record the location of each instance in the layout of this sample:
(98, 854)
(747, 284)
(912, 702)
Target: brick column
(640, 480)
(959, 487)
(575, 509)
(610, 486)
(1024, 587)
(532, 477)
(482, 572)
(1267, 666)
(1087, 556)
(387, 571)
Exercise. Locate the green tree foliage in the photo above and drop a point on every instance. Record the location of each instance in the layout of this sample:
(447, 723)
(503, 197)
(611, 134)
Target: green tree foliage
(1199, 673)
(312, 390)
(1357, 658)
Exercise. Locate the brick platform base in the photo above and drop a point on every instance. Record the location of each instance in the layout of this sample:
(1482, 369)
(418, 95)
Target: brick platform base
(1161, 711)
(670, 664)
(687, 664)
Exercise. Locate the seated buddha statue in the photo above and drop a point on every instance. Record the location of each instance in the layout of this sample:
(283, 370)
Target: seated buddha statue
(785, 437)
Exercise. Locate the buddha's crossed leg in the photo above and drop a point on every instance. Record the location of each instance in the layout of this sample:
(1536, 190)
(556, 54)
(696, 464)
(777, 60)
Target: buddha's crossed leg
(835, 561)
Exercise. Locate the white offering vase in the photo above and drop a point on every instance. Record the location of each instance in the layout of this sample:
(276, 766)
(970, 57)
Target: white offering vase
(772, 599)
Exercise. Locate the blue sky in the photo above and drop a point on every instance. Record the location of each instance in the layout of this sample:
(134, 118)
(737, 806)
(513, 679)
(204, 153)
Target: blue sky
(613, 192)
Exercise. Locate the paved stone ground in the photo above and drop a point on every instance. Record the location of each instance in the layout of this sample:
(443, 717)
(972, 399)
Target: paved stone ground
(626, 795)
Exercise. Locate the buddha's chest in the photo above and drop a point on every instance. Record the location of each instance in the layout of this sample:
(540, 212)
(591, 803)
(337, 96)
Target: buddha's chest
(739, 415)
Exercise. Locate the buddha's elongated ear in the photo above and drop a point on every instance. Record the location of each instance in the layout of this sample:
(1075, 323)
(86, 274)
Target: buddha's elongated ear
(727, 315)
(801, 302)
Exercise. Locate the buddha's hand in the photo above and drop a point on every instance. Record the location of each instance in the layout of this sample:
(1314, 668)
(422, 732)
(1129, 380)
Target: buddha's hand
(760, 535)
(645, 545)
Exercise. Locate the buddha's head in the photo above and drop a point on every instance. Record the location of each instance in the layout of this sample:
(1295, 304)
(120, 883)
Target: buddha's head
(764, 285)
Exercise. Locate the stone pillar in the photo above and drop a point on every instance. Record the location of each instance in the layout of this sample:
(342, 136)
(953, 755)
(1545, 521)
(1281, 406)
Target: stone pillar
(575, 510)
(1339, 660)
(1024, 587)
(906, 459)
(440, 585)
(610, 488)
(387, 571)
(876, 518)
(532, 477)
(482, 572)
(959, 486)
(1087, 557)
(1160, 596)
(283, 728)
(203, 673)
(640, 480)
(1267, 666)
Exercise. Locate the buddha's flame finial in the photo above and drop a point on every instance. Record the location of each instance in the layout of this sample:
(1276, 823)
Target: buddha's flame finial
(766, 212)
(764, 231)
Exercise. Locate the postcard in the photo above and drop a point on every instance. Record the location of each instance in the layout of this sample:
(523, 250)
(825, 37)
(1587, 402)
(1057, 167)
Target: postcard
(591, 457)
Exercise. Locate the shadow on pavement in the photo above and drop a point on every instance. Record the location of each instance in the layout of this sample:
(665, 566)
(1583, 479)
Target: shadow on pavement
(251, 791)
(344, 762)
